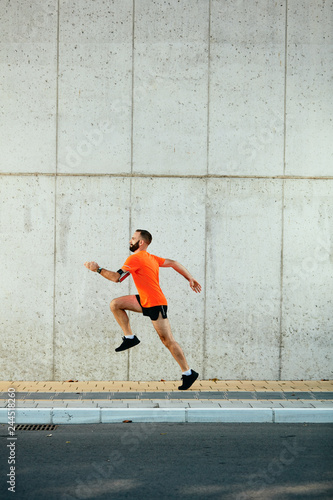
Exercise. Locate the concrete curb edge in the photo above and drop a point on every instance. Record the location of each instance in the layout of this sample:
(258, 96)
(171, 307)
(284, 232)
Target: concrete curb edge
(180, 415)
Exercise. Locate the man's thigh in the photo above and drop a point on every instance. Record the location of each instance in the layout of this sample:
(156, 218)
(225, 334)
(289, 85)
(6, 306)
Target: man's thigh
(163, 328)
(129, 303)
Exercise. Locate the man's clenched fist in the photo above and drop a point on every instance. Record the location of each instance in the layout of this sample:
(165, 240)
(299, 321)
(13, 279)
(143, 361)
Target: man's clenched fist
(92, 266)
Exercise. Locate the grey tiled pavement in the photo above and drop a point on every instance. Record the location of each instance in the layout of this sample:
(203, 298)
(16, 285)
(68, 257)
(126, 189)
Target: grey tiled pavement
(172, 399)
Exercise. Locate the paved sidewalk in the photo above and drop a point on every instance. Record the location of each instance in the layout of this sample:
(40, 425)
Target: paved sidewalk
(64, 402)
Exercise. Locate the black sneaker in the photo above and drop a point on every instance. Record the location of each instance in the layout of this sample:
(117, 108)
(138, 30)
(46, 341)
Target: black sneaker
(188, 380)
(127, 343)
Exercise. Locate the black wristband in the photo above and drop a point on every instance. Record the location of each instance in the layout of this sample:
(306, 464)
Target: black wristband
(99, 270)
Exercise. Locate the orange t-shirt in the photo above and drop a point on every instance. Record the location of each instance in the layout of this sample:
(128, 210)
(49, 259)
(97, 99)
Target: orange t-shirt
(144, 269)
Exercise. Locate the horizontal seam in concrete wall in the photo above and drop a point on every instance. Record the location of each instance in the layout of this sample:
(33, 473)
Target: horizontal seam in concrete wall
(169, 176)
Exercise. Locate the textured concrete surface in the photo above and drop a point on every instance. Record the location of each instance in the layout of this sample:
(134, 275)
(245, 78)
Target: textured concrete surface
(27, 278)
(28, 38)
(243, 279)
(247, 72)
(95, 86)
(208, 122)
(308, 276)
(309, 70)
(170, 85)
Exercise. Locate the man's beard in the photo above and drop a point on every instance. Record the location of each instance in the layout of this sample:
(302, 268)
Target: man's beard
(134, 247)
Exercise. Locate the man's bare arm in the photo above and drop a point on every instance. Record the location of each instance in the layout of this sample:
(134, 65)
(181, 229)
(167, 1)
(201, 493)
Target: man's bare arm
(109, 275)
(196, 287)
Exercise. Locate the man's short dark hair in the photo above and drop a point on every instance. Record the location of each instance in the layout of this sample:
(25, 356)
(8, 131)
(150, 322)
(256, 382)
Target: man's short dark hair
(145, 235)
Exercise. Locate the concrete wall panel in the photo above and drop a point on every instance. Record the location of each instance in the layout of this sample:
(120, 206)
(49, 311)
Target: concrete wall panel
(309, 144)
(26, 291)
(95, 87)
(170, 87)
(28, 58)
(92, 225)
(174, 212)
(246, 88)
(243, 279)
(308, 280)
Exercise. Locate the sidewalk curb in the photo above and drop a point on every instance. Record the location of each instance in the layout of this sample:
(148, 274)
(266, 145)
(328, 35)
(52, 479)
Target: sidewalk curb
(176, 415)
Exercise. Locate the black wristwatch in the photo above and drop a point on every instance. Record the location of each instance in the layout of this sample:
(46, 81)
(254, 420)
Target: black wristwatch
(99, 270)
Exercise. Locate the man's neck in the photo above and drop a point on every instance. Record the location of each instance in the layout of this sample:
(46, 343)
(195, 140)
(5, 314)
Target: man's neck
(140, 249)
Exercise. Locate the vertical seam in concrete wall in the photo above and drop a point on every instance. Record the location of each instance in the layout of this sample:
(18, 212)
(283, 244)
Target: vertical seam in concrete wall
(285, 88)
(281, 285)
(204, 344)
(132, 97)
(55, 196)
(132, 153)
(131, 282)
(208, 84)
(283, 186)
(204, 347)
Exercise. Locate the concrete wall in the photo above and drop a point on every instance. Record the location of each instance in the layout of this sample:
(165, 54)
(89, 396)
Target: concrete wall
(207, 122)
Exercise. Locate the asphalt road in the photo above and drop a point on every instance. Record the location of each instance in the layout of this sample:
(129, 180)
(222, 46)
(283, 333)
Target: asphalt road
(174, 461)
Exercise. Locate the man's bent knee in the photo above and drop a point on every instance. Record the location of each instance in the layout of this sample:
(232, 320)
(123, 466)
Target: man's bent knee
(126, 303)
(114, 305)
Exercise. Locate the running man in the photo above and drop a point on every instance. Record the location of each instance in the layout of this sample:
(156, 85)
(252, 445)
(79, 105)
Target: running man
(150, 300)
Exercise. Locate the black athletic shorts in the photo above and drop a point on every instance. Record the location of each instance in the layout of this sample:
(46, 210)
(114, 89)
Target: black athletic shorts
(153, 312)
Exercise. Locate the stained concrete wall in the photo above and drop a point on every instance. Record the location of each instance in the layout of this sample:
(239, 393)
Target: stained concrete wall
(207, 122)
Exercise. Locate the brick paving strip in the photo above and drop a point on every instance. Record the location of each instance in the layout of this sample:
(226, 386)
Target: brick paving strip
(169, 386)
(167, 390)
